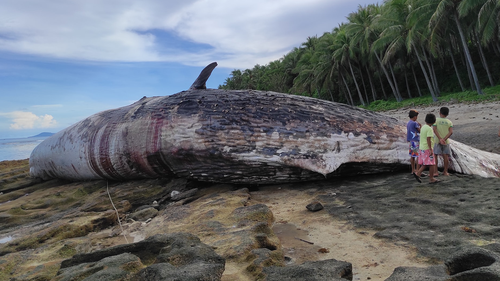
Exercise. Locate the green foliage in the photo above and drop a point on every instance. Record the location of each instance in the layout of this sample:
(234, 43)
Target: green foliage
(490, 94)
(382, 105)
(397, 50)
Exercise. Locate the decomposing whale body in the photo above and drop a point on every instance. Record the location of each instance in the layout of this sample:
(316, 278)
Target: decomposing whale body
(242, 136)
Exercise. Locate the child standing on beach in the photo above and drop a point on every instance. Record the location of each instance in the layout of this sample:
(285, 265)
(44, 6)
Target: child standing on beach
(426, 154)
(413, 138)
(443, 129)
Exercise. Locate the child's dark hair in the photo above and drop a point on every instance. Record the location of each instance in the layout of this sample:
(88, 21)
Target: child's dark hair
(412, 113)
(430, 118)
(444, 110)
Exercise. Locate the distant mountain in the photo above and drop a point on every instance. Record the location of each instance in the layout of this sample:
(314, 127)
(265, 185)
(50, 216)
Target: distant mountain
(42, 135)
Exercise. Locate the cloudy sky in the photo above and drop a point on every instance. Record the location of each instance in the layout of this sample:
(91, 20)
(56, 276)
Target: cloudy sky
(63, 60)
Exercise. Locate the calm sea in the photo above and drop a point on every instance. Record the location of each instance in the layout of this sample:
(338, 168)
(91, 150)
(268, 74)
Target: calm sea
(17, 149)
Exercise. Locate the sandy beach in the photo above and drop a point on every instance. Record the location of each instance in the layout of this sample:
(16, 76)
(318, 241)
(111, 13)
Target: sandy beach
(475, 124)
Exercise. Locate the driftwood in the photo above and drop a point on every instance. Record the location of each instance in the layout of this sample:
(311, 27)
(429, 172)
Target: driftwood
(235, 136)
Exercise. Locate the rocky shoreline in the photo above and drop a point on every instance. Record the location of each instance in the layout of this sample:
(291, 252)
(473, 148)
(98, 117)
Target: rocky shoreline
(370, 227)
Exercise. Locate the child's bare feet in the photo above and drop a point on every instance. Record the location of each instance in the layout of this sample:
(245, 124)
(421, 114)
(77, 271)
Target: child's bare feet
(446, 174)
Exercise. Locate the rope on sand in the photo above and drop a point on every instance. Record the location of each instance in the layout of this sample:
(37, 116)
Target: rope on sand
(117, 214)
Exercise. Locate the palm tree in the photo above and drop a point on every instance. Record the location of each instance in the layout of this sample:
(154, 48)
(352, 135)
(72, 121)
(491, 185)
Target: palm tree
(305, 80)
(326, 67)
(342, 54)
(447, 10)
(452, 56)
(361, 29)
(395, 34)
(418, 39)
(486, 12)
(390, 39)
(391, 42)
(488, 17)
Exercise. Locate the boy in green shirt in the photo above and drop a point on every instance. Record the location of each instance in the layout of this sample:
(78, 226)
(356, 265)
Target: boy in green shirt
(443, 129)
(426, 154)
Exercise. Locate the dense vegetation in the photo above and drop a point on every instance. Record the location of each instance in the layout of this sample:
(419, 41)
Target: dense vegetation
(392, 52)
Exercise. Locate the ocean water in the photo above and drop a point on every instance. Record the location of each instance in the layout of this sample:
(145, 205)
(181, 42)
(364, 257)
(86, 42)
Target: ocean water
(17, 149)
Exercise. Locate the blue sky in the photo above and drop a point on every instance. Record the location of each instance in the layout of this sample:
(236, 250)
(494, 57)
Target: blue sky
(64, 60)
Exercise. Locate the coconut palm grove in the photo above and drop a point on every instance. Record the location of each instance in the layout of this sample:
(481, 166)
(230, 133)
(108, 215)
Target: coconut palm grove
(397, 50)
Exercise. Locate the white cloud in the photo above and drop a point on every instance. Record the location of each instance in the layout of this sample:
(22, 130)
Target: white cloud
(242, 33)
(22, 120)
(46, 106)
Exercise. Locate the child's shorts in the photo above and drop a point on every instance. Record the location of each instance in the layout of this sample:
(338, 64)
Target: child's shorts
(442, 149)
(414, 149)
(426, 158)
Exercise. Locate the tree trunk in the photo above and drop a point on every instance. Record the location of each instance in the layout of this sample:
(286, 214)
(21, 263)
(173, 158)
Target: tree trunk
(330, 91)
(356, 83)
(429, 84)
(374, 93)
(467, 54)
(466, 63)
(483, 59)
(416, 81)
(363, 82)
(436, 84)
(347, 87)
(497, 45)
(400, 98)
(469, 73)
(429, 67)
(406, 80)
(387, 76)
(382, 85)
(456, 70)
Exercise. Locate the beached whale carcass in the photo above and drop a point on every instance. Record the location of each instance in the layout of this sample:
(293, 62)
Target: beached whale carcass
(239, 136)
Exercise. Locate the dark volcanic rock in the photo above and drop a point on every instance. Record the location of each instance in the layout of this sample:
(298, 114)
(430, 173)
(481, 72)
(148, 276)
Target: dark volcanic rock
(432, 273)
(192, 272)
(107, 269)
(144, 214)
(184, 195)
(465, 265)
(326, 270)
(314, 206)
(474, 264)
(178, 256)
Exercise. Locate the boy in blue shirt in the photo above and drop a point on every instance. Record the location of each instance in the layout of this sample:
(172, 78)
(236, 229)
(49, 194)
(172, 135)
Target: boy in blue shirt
(413, 138)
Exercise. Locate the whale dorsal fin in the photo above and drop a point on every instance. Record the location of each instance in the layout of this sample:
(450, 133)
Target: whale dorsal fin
(200, 82)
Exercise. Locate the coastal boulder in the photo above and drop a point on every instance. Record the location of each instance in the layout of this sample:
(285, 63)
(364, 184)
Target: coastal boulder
(468, 264)
(326, 270)
(177, 256)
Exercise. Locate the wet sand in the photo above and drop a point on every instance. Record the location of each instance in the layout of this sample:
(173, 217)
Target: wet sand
(333, 234)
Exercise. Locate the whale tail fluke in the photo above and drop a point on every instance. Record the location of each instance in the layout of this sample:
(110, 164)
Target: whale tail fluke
(200, 82)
